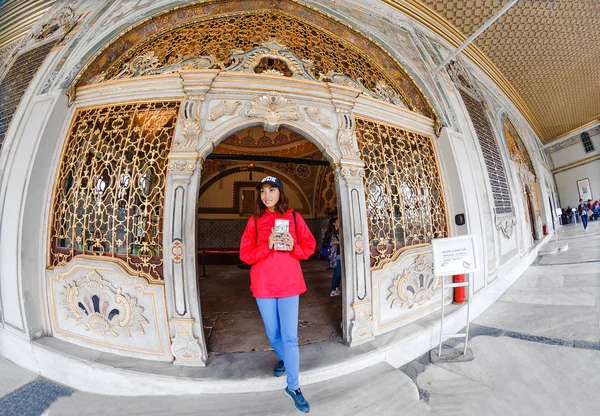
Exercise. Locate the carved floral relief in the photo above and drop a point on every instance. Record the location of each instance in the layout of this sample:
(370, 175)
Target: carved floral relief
(273, 108)
(98, 306)
(415, 286)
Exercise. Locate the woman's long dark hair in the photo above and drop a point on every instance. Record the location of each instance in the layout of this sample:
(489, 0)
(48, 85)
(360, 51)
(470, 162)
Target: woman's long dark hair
(281, 207)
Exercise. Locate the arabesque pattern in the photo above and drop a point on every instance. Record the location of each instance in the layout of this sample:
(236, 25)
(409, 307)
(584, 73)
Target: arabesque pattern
(404, 192)
(109, 194)
(516, 147)
(211, 37)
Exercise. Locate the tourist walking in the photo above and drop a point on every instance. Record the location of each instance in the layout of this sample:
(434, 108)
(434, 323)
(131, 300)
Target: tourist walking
(275, 240)
(582, 208)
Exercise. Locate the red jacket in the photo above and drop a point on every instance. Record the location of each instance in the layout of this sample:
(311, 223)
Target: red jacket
(276, 274)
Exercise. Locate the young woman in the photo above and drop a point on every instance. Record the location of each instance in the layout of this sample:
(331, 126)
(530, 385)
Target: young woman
(276, 279)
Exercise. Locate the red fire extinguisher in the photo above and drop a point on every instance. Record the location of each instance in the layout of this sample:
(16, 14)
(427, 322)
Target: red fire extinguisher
(545, 229)
(459, 292)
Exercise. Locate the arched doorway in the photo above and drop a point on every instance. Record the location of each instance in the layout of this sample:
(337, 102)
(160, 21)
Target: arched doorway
(280, 78)
(226, 201)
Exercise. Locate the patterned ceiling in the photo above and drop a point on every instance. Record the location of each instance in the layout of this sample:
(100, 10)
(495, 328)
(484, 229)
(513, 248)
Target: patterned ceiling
(549, 50)
(281, 143)
(18, 16)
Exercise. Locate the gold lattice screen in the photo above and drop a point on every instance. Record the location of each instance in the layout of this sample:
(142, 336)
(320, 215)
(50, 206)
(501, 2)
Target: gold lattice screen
(109, 194)
(329, 45)
(404, 192)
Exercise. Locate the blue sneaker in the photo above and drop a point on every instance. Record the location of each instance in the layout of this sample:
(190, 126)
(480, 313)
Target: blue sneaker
(299, 400)
(279, 369)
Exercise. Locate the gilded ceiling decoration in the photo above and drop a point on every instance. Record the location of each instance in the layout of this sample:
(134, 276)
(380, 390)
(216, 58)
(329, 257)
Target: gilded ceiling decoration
(284, 31)
(548, 50)
(255, 140)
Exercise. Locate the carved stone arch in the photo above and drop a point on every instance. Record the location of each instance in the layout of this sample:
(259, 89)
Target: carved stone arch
(343, 49)
(327, 146)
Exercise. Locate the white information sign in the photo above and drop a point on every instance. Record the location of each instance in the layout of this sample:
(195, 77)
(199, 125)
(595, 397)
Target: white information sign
(454, 255)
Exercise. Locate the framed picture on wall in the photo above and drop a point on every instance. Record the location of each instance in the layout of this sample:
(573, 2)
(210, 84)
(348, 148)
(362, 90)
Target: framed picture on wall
(583, 185)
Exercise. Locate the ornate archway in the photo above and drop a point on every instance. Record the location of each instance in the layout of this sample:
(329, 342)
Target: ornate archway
(305, 71)
(269, 32)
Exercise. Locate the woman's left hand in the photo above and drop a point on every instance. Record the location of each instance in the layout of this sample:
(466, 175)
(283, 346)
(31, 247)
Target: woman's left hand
(288, 240)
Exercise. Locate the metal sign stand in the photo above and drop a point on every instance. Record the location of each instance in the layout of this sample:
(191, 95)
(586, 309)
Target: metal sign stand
(454, 255)
(467, 354)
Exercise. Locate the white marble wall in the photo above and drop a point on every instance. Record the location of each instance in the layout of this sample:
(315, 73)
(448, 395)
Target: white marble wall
(41, 123)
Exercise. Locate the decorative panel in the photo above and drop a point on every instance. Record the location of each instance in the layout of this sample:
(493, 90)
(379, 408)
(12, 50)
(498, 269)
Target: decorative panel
(203, 31)
(404, 192)
(406, 289)
(15, 83)
(326, 199)
(100, 304)
(109, 193)
(491, 153)
(516, 147)
(520, 155)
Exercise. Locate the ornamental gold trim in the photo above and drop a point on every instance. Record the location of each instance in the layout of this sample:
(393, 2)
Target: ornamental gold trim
(404, 191)
(109, 189)
(376, 68)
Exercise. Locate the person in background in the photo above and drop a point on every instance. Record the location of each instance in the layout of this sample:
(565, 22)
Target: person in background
(569, 215)
(276, 279)
(582, 208)
(335, 259)
(596, 210)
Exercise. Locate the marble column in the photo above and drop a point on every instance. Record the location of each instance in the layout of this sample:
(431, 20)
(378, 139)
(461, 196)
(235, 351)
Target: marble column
(358, 311)
(183, 303)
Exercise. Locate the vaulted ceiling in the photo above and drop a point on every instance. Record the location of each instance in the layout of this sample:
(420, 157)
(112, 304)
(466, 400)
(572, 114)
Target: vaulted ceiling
(548, 50)
(18, 16)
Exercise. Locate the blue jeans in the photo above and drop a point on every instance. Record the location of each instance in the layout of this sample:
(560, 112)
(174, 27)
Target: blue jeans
(280, 316)
(584, 219)
(337, 275)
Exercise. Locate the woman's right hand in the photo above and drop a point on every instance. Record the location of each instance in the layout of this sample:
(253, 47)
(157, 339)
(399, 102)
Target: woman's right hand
(273, 239)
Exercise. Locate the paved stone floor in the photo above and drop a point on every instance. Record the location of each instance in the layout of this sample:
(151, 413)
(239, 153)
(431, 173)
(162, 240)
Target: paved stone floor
(537, 352)
(232, 322)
